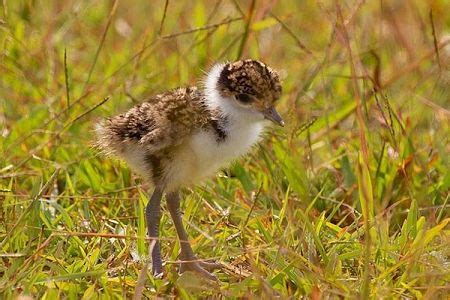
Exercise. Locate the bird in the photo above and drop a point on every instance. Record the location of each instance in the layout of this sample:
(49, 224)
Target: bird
(182, 136)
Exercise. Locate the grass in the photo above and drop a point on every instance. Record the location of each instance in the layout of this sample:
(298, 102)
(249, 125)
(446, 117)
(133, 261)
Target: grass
(350, 200)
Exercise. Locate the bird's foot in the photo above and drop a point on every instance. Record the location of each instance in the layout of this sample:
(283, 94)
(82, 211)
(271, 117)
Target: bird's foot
(201, 267)
(158, 275)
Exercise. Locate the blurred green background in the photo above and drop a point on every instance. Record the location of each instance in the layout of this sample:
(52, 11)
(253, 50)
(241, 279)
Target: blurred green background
(349, 200)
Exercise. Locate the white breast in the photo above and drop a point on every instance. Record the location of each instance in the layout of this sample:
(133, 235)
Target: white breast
(211, 155)
(202, 155)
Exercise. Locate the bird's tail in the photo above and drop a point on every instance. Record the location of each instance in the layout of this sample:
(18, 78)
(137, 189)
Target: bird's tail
(107, 140)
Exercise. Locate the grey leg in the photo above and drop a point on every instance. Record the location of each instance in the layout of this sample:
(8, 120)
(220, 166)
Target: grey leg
(153, 216)
(190, 262)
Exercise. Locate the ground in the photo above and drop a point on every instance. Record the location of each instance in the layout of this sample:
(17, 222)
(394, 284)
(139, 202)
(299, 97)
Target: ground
(349, 200)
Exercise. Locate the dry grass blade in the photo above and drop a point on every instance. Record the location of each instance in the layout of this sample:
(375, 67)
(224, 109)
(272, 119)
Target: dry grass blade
(435, 40)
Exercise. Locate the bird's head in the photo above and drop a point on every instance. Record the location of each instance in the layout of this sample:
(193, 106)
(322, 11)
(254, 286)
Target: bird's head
(253, 86)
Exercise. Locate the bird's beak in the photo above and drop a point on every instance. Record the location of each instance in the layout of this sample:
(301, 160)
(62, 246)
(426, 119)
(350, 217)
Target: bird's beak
(272, 115)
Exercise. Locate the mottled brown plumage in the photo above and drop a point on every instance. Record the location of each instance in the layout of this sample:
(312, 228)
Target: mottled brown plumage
(181, 136)
(159, 126)
(251, 80)
(160, 122)
(250, 77)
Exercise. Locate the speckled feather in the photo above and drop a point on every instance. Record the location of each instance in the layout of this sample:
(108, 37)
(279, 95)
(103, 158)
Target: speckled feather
(250, 77)
(162, 121)
(176, 138)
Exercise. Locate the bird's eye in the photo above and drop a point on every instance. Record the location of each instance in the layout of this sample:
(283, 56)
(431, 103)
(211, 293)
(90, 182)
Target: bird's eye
(244, 98)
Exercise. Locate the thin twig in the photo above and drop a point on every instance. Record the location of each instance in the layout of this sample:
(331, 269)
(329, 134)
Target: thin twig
(100, 45)
(435, 42)
(66, 80)
(255, 200)
(304, 126)
(213, 11)
(238, 8)
(85, 113)
(246, 33)
(166, 4)
(300, 44)
(207, 27)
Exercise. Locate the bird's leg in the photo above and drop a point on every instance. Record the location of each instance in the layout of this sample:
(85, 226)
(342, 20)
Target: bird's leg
(153, 216)
(190, 261)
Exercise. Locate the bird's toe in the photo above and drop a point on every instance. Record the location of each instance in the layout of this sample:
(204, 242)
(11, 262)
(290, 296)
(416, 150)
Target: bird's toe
(199, 268)
(210, 266)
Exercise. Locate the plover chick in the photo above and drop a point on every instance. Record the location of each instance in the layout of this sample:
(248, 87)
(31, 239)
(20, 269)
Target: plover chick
(181, 136)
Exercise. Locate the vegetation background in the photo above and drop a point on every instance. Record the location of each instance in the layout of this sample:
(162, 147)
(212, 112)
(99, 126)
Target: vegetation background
(349, 200)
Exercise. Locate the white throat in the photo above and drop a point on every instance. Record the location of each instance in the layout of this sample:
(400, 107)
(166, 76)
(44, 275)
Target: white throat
(228, 107)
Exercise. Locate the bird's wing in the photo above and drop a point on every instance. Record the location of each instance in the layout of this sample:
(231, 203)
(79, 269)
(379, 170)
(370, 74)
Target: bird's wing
(177, 114)
(163, 121)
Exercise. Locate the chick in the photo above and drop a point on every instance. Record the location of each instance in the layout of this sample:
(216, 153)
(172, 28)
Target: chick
(182, 136)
